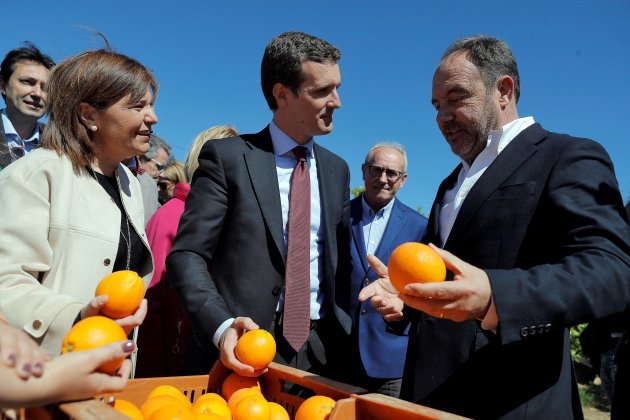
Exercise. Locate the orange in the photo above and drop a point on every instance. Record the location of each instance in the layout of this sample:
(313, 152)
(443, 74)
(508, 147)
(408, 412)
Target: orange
(317, 407)
(93, 332)
(239, 395)
(256, 348)
(170, 390)
(128, 409)
(172, 412)
(278, 412)
(125, 291)
(210, 416)
(210, 396)
(414, 262)
(252, 407)
(215, 406)
(234, 382)
(159, 401)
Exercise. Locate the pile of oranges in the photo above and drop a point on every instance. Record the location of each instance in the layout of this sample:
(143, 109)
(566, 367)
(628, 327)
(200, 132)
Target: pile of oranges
(241, 398)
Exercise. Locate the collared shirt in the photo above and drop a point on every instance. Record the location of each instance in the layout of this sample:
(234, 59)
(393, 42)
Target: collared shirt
(374, 224)
(285, 163)
(469, 174)
(14, 139)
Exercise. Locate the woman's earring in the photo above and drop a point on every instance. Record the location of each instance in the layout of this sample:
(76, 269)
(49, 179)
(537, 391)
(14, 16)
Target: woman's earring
(93, 128)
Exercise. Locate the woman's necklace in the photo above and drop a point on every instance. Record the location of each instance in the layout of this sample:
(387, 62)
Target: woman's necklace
(127, 238)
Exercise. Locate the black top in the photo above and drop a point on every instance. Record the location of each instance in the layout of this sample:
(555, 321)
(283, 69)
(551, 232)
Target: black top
(138, 250)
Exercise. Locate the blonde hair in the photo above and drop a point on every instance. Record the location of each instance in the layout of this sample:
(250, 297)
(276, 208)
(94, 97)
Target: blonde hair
(174, 173)
(215, 132)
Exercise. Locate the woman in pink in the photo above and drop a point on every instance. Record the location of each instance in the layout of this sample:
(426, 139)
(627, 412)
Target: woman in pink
(162, 341)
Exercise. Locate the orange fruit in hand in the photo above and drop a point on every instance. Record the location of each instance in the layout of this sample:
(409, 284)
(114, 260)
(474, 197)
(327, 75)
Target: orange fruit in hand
(93, 332)
(172, 391)
(239, 395)
(152, 404)
(317, 407)
(234, 382)
(172, 412)
(128, 409)
(125, 291)
(278, 412)
(252, 407)
(413, 262)
(256, 348)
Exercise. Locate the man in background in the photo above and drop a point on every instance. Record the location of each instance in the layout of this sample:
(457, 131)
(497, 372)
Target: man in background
(380, 222)
(152, 165)
(23, 77)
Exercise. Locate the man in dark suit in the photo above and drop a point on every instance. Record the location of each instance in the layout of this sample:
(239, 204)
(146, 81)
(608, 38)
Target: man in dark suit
(379, 224)
(228, 259)
(23, 75)
(537, 222)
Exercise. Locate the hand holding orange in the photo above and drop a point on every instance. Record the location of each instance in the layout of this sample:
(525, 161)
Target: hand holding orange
(93, 332)
(256, 348)
(125, 291)
(413, 262)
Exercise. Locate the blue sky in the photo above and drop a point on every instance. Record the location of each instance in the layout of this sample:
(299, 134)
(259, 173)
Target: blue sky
(573, 59)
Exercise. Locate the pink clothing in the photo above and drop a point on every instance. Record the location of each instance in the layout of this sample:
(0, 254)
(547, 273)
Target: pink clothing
(162, 228)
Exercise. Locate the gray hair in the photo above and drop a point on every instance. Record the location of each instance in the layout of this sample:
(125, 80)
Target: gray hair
(491, 56)
(156, 143)
(392, 145)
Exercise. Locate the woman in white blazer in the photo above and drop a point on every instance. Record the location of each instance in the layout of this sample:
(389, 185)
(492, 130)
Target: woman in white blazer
(71, 212)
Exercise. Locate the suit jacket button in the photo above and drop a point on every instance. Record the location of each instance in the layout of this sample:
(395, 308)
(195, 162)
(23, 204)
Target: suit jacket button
(547, 328)
(363, 311)
(37, 324)
(532, 330)
(276, 291)
(366, 282)
(540, 329)
(524, 332)
(107, 262)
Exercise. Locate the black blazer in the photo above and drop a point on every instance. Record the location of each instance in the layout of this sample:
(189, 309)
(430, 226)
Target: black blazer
(547, 224)
(228, 258)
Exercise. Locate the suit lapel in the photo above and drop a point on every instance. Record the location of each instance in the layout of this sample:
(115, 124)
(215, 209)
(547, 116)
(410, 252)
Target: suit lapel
(261, 166)
(356, 216)
(433, 225)
(328, 181)
(396, 222)
(508, 162)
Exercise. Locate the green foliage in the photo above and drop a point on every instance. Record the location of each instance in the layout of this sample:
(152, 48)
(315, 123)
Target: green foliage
(574, 337)
(357, 191)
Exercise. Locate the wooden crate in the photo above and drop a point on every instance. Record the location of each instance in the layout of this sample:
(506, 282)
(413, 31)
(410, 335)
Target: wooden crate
(378, 407)
(272, 383)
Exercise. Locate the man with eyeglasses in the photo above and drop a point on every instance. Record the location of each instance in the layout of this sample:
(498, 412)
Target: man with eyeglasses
(152, 166)
(23, 76)
(379, 223)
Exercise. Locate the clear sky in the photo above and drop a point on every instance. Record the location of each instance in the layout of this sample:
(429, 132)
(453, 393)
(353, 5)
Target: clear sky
(573, 58)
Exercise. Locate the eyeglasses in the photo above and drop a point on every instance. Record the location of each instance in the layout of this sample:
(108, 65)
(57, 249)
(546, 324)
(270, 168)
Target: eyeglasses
(158, 165)
(377, 171)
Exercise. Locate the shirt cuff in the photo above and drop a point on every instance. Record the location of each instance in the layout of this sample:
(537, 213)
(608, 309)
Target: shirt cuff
(217, 334)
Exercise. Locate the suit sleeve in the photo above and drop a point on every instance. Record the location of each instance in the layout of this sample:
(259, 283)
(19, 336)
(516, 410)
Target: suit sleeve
(190, 261)
(586, 274)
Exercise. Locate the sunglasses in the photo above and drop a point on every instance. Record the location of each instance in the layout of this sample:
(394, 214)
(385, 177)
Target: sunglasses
(377, 171)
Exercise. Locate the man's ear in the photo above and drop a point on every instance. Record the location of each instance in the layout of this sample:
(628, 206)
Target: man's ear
(2, 87)
(505, 87)
(87, 114)
(281, 93)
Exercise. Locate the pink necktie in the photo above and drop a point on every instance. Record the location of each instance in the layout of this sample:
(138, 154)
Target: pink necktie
(297, 285)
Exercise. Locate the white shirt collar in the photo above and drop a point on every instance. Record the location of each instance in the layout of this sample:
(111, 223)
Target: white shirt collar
(9, 129)
(283, 144)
